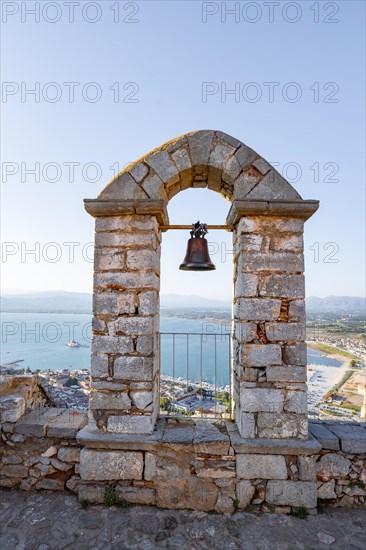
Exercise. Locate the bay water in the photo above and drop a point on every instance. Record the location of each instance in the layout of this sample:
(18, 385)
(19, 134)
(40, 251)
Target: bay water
(39, 341)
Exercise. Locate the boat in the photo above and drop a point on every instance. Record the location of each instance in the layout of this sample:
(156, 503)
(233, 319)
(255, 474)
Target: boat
(73, 344)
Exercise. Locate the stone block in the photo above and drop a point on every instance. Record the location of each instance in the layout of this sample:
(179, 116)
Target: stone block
(150, 466)
(259, 466)
(143, 400)
(282, 426)
(200, 144)
(69, 454)
(93, 494)
(288, 373)
(296, 310)
(112, 344)
(34, 423)
(231, 170)
(270, 224)
(261, 399)
(296, 402)
(59, 465)
(307, 468)
(209, 440)
(99, 365)
(50, 485)
(259, 309)
(123, 187)
(12, 407)
(73, 484)
(244, 493)
(67, 424)
(136, 495)
(273, 261)
(352, 437)
(246, 285)
(247, 243)
(287, 286)
(112, 223)
(245, 182)
(245, 332)
(295, 354)
(109, 303)
(138, 171)
(327, 438)
(262, 166)
(259, 355)
(134, 326)
(277, 332)
(220, 153)
(287, 243)
(146, 345)
(245, 156)
(143, 259)
(108, 259)
(131, 424)
(326, 491)
(154, 187)
(133, 368)
(125, 239)
(333, 465)
(110, 386)
(14, 470)
(274, 187)
(246, 424)
(148, 303)
(162, 164)
(110, 465)
(181, 159)
(109, 400)
(292, 493)
(122, 281)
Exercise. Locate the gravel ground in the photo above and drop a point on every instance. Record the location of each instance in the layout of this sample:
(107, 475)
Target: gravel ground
(47, 521)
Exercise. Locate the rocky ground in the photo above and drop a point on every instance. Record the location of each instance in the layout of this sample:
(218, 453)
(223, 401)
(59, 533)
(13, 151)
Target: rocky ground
(47, 521)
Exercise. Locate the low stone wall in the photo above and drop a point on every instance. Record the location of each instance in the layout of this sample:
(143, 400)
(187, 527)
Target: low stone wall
(198, 465)
(341, 464)
(40, 450)
(185, 464)
(210, 467)
(20, 394)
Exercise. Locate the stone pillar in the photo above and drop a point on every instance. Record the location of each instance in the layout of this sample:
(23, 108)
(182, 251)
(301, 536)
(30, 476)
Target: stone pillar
(269, 349)
(125, 383)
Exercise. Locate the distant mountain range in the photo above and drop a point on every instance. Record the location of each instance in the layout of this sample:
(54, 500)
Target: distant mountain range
(78, 302)
(343, 304)
(46, 302)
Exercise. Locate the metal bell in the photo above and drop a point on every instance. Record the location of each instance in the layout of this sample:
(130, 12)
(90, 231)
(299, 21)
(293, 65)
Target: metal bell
(197, 257)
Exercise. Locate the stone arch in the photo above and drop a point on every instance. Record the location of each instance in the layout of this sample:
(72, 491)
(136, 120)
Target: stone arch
(203, 158)
(269, 351)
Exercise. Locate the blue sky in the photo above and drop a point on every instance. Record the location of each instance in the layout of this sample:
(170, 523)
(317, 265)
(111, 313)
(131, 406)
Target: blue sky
(162, 61)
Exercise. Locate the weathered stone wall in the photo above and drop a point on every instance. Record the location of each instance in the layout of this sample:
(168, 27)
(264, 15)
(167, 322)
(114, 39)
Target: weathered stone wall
(341, 464)
(125, 348)
(211, 467)
(19, 394)
(185, 464)
(40, 450)
(198, 465)
(269, 347)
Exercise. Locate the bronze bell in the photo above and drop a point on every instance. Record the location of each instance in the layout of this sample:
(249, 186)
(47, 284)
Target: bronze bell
(197, 257)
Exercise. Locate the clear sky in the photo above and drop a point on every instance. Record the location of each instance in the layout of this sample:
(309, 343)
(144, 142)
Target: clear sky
(150, 63)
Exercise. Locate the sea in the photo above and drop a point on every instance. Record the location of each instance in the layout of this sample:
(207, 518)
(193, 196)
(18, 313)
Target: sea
(192, 349)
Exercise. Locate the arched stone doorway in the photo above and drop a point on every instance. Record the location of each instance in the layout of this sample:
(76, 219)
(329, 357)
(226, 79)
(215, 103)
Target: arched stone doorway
(266, 216)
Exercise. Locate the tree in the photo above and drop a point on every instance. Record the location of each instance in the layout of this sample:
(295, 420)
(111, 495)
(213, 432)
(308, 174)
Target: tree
(71, 381)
